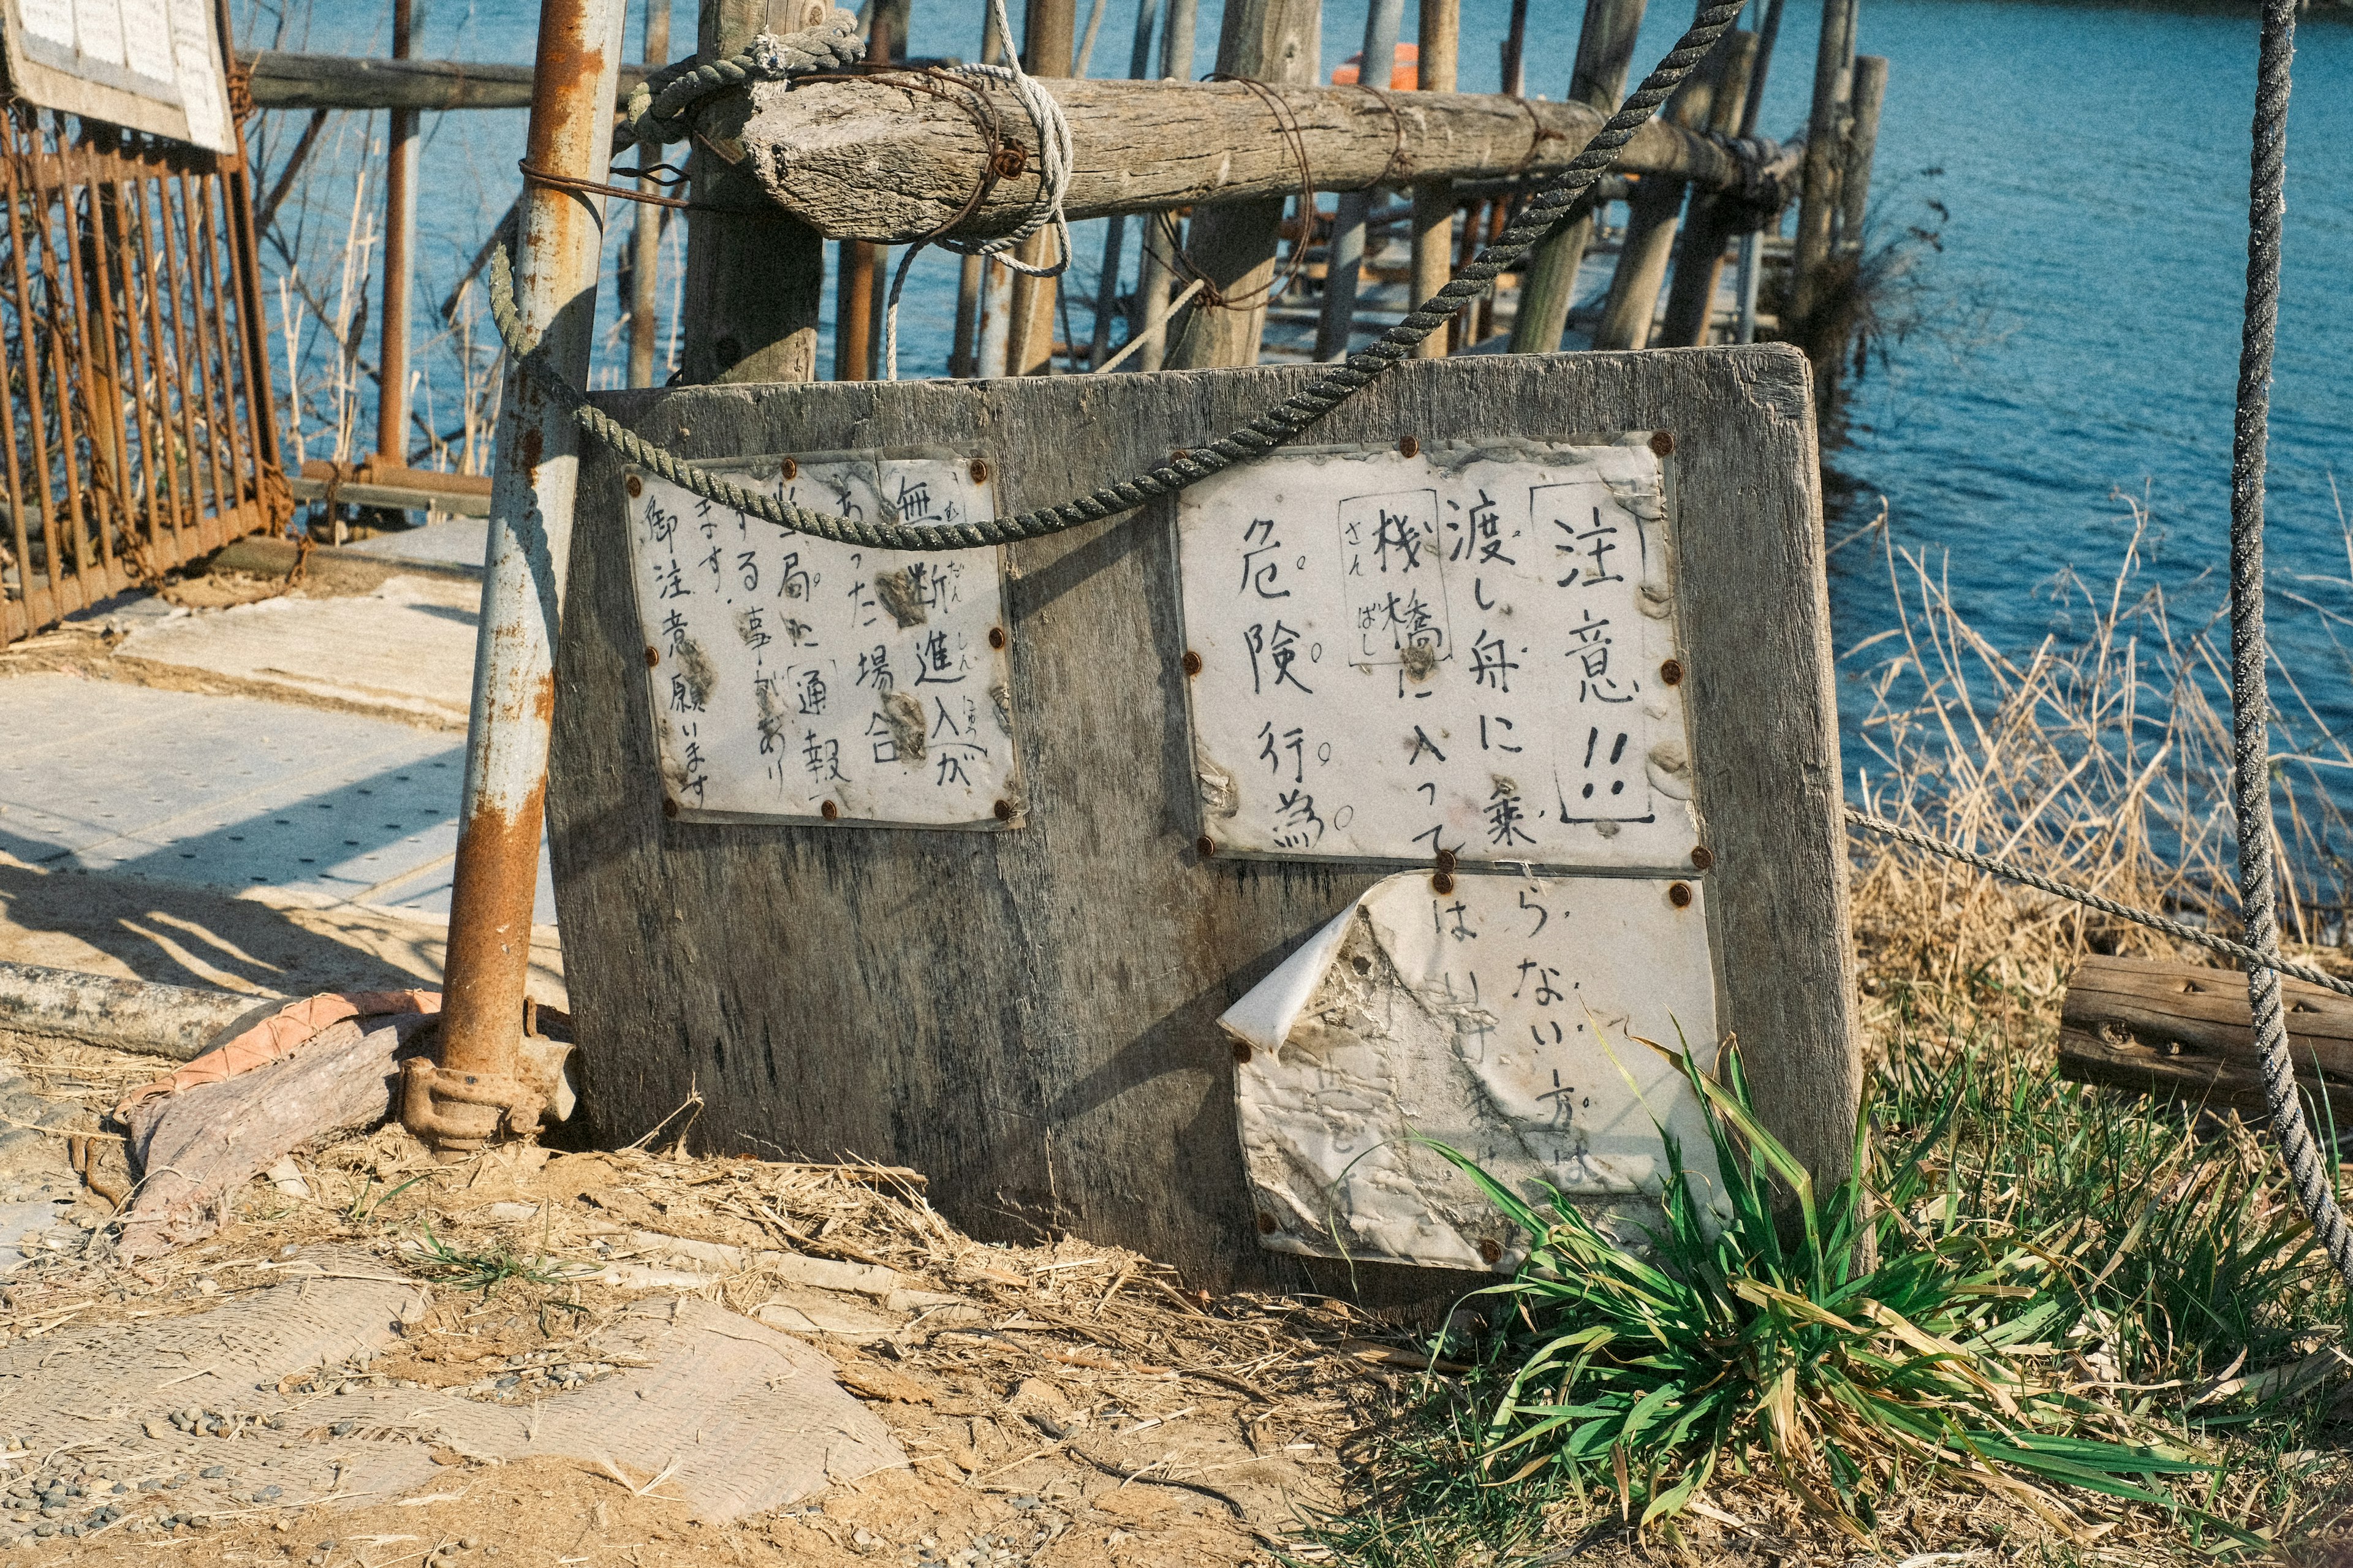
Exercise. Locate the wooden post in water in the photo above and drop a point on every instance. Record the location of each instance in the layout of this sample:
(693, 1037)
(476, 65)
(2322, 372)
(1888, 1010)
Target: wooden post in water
(1139, 62)
(1155, 269)
(963, 357)
(1343, 254)
(1752, 244)
(861, 261)
(645, 240)
(1047, 40)
(1708, 227)
(1234, 244)
(1605, 50)
(1817, 193)
(754, 279)
(1862, 142)
(1650, 227)
(399, 230)
(1433, 200)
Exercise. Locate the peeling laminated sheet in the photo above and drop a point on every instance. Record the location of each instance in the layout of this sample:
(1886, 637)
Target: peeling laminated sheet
(1501, 1020)
(745, 1418)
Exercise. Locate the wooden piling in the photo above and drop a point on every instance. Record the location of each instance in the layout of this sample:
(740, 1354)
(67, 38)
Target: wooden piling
(1433, 200)
(1048, 38)
(1234, 245)
(1817, 193)
(1650, 227)
(1605, 51)
(645, 240)
(754, 278)
(1344, 253)
(860, 269)
(1862, 142)
(1139, 64)
(1710, 224)
(1155, 268)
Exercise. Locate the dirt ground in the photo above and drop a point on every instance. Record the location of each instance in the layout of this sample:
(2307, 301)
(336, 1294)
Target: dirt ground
(1057, 1404)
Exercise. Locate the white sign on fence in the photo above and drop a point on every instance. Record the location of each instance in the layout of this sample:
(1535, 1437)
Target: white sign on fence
(153, 65)
(1464, 650)
(798, 680)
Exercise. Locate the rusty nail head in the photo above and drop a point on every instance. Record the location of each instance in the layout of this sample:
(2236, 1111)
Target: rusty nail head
(1491, 1250)
(791, 469)
(980, 470)
(1407, 446)
(1192, 662)
(1679, 894)
(828, 811)
(1441, 884)
(1661, 443)
(1702, 856)
(1206, 844)
(1004, 809)
(1266, 1223)
(1009, 161)
(1446, 860)
(669, 806)
(653, 656)
(996, 637)
(635, 486)
(1671, 672)
(1241, 1050)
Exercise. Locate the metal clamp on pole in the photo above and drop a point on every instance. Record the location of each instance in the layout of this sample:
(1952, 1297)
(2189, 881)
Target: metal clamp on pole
(477, 1087)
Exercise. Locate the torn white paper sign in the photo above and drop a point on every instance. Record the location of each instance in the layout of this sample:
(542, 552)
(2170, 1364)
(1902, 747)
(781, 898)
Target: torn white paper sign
(1499, 1019)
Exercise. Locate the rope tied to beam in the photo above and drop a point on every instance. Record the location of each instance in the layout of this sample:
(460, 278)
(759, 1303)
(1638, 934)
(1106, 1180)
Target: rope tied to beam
(1055, 158)
(1564, 196)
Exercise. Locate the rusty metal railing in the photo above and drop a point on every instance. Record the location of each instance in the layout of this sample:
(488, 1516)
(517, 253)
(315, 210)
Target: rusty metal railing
(139, 433)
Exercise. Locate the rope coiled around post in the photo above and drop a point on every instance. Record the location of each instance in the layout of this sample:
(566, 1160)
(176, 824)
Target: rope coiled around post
(1558, 199)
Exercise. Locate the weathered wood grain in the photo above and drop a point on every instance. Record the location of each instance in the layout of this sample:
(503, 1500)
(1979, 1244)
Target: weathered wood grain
(1028, 1017)
(2181, 1030)
(866, 159)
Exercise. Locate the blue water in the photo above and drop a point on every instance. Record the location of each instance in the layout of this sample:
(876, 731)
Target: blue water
(2076, 335)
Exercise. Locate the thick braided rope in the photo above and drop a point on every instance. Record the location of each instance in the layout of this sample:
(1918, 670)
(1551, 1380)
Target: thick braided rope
(655, 113)
(1549, 203)
(2011, 872)
(2312, 1172)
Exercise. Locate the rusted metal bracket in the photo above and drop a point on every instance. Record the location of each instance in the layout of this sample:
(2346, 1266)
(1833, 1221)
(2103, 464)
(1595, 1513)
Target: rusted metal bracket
(460, 1112)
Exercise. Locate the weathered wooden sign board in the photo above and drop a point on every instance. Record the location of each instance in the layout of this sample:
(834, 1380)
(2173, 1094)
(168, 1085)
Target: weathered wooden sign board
(1546, 633)
(151, 65)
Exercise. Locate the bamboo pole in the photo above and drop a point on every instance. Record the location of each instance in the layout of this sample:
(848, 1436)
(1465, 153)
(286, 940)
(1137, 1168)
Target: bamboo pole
(645, 240)
(399, 232)
(1433, 200)
(1233, 245)
(1344, 253)
(1047, 44)
(1605, 51)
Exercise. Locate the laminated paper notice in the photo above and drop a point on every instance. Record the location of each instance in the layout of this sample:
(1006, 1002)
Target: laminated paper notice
(1504, 1019)
(797, 679)
(1458, 652)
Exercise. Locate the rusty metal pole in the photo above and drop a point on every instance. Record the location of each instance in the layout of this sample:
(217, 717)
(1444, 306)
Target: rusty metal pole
(399, 229)
(478, 1085)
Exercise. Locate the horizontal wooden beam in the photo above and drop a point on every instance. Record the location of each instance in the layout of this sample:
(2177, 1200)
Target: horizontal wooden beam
(2181, 1031)
(866, 158)
(283, 80)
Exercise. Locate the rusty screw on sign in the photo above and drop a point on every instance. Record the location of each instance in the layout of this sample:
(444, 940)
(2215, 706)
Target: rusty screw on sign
(1671, 672)
(1661, 443)
(996, 637)
(1702, 856)
(478, 1089)
(1491, 1250)
(1679, 894)
(1192, 662)
(980, 470)
(789, 469)
(1206, 846)
(1267, 1224)
(1409, 448)
(1004, 809)
(829, 811)
(635, 486)
(1443, 881)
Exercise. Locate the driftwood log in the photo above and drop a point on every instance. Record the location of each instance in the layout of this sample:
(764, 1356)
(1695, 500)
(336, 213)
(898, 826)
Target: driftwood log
(2182, 1031)
(869, 158)
(284, 80)
(180, 1022)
